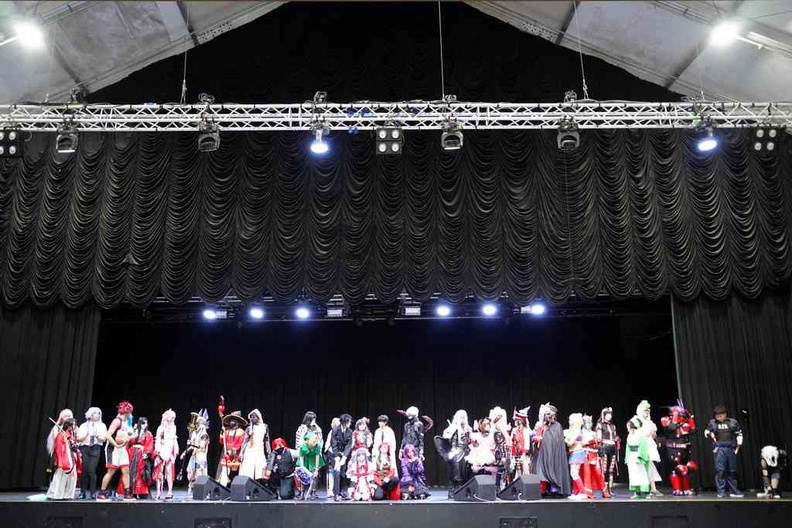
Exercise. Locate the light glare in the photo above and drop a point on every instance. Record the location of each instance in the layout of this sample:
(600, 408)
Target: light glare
(443, 310)
(209, 314)
(724, 33)
(256, 313)
(302, 313)
(489, 309)
(29, 34)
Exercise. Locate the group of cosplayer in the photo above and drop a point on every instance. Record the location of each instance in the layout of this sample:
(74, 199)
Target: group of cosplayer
(361, 465)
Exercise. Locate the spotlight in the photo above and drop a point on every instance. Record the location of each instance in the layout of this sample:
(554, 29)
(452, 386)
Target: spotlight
(67, 138)
(319, 145)
(256, 312)
(443, 310)
(533, 309)
(302, 313)
(568, 138)
(452, 138)
(724, 33)
(707, 142)
(412, 311)
(210, 314)
(765, 139)
(489, 309)
(10, 143)
(335, 312)
(389, 140)
(208, 136)
(29, 34)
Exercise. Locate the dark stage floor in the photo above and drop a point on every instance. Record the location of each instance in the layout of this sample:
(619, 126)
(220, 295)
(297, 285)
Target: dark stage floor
(25, 510)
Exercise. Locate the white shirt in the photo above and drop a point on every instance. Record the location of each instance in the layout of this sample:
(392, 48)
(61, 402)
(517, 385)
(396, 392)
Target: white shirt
(94, 433)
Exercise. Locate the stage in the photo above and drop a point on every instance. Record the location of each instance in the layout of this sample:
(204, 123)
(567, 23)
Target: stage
(17, 510)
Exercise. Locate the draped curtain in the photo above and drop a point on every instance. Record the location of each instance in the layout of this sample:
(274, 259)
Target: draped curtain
(133, 216)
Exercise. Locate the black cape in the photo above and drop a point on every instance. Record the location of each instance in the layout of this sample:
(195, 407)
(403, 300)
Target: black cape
(552, 464)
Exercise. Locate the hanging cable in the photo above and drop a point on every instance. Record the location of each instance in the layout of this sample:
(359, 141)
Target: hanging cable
(442, 66)
(580, 51)
(183, 98)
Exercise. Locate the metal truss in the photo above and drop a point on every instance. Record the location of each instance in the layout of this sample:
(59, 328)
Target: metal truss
(409, 115)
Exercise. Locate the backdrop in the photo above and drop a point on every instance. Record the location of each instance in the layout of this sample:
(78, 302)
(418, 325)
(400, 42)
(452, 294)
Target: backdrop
(736, 353)
(440, 366)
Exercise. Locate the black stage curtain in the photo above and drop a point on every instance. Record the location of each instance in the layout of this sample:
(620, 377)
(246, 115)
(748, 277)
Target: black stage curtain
(47, 364)
(285, 369)
(737, 353)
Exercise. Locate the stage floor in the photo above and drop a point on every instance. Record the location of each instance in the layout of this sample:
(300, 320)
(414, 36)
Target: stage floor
(30, 510)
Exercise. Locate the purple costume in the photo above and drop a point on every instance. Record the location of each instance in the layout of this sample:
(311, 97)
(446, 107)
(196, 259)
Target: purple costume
(412, 474)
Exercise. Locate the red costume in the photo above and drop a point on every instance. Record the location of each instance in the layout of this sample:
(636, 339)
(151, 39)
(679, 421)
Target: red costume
(139, 464)
(389, 490)
(232, 441)
(592, 468)
(679, 425)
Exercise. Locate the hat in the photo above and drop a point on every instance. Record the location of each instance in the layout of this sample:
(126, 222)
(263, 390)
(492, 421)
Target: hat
(522, 414)
(236, 415)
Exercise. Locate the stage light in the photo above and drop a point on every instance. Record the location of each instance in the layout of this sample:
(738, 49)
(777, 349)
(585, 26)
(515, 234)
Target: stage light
(443, 310)
(489, 309)
(208, 136)
(568, 138)
(707, 142)
(67, 139)
(412, 311)
(210, 314)
(538, 309)
(765, 139)
(452, 138)
(10, 143)
(302, 313)
(724, 33)
(29, 34)
(335, 312)
(256, 312)
(389, 140)
(319, 145)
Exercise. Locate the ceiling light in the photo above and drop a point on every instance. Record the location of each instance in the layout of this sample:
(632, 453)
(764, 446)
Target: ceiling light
(708, 141)
(10, 143)
(388, 140)
(568, 138)
(67, 138)
(29, 34)
(765, 139)
(724, 33)
(208, 136)
(335, 312)
(302, 313)
(319, 145)
(210, 314)
(443, 310)
(452, 138)
(413, 311)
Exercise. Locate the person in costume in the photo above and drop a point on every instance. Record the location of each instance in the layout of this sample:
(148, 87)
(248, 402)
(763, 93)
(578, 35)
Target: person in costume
(640, 468)
(308, 425)
(197, 447)
(281, 466)
(116, 453)
(232, 438)
(256, 447)
(499, 421)
(166, 450)
(141, 459)
(310, 459)
(609, 447)
(362, 437)
(413, 475)
(593, 478)
(573, 437)
(727, 438)
(91, 436)
(65, 414)
(648, 429)
(361, 473)
(679, 425)
(414, 429)
(551, 464)
(481, 456)
(335, 423)
(338, 456)
(773, 463)
(385, 444)
(454, 447)
(386, 480)
(520, 444)
(65, 454)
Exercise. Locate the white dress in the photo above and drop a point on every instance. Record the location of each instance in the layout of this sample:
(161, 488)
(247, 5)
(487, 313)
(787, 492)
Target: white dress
(385, 435)
(254, 462)
(649, 430)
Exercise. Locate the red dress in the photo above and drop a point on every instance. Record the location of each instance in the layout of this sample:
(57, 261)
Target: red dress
(592, 469)
(139, 477)
(232, 441)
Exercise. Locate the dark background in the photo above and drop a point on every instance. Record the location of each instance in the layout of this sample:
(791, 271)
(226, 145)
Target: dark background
(285, 369)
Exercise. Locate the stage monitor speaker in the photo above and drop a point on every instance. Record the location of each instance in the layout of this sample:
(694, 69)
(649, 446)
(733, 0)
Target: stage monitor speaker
(526, 488)
(247, 489)
(207, 488)
(479, 488)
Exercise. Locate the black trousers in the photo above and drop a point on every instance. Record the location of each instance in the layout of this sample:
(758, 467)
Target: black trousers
(90, 462)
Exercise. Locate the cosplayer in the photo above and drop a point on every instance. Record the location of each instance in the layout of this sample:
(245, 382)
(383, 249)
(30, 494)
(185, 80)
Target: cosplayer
(141, 459)
(592, 469)
(65, 414)
(678, 427)
(414, 430)
(413, 474)
(338, 455)
(385, 444)
(308, 425)
(520, 444)
(66, 456)
(573, 437)
(454, 447)
(197, 447)
(640, 467)
(609, 445)
(232, 438)
(116, 454)
(335, 423)
(774, 462)
(551, 464)
(647, 428)
(482, 449)
(281, 466)
(311, 461)
(166, 450)
(499, 421)
(91, 436)
(361, 474)
(386, 481)
(256, 447)
(502, 455)
(362, 437)
(727, 438)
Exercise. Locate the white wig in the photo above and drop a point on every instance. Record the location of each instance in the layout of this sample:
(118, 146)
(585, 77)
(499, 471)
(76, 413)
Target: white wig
(92, 410)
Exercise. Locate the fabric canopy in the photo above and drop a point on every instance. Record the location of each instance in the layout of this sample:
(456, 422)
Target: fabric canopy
(133, 216)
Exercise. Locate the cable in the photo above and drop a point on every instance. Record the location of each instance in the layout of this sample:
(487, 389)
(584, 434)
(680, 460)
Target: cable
(442, 65)
(183, 98)
(580, 51)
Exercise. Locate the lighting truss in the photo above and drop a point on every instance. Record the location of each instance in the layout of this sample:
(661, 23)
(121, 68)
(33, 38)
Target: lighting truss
(410, 115)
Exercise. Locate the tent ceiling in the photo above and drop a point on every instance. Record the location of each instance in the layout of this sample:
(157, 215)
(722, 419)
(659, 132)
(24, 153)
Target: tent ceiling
(94, 44)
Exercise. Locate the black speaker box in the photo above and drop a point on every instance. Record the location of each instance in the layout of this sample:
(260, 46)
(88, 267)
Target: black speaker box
(526, 488)
(479, 488)
(207, 488)
(247, 489)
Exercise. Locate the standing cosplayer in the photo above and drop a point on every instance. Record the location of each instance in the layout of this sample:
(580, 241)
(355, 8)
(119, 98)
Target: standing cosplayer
(454, 447)
(573, 437)
(91, 436)
(308, 425)
(256, 447)
(116, 454)
(414, 430)
(66, 457)
(362, 437)
(338, 456)
(648, 429)
(385, 444)
(640, 468)
(551, 464)
(141, 459)
(232, 438)
(678, 426)
(774, 462)
(197, 447)
(609, 447)
(65, 414)
(593, 476)
(727, 437)
(166, 450)
(520, 444)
